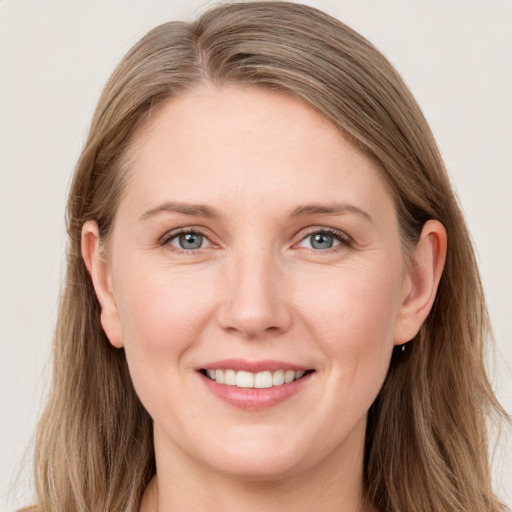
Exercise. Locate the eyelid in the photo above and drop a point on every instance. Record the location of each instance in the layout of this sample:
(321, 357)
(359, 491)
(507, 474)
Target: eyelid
(165, 239)
(344, 239)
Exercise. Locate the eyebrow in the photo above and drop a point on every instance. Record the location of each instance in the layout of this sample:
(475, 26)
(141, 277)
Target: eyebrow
(329, 209)
(201, 210)
(195, 210)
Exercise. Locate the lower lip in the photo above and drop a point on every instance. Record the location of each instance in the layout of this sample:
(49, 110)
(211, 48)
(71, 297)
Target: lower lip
(252, 399)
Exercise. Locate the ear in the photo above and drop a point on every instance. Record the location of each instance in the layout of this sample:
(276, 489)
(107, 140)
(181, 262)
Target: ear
(422, 280)
(101, 279)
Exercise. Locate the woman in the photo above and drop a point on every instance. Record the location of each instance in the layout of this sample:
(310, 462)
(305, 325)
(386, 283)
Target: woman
(271, 298)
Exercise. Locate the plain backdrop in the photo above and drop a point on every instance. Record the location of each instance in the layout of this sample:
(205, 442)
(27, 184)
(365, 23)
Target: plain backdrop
(55, 56)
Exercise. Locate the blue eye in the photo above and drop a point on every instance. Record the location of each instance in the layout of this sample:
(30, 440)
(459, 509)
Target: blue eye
(188, 241)
(323, 240)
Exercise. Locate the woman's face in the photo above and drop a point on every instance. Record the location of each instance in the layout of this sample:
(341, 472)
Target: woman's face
(254, 245)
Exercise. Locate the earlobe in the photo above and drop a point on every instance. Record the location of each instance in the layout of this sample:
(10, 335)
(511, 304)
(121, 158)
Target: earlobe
(101, 279)
(423, 277)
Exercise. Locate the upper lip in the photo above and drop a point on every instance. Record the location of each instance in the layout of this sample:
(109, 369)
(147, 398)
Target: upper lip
(252, 366)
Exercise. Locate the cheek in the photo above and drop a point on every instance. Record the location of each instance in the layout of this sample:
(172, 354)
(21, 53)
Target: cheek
(352, 302)
(159, 299)
(162, 310)
(352, 315)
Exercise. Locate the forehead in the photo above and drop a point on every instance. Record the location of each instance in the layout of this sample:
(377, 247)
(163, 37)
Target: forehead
(247, 145)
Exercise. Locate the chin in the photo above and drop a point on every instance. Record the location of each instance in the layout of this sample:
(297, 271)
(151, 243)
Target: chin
(261, 467)
(254, 457)
(282, 455)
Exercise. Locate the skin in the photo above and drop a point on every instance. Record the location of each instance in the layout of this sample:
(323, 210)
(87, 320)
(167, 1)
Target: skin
(258, 288)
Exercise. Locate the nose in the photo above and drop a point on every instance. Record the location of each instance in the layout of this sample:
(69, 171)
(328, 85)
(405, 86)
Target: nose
(255, 304)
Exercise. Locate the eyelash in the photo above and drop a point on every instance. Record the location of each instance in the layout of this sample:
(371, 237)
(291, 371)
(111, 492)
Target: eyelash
(174, 234)
(344, 240)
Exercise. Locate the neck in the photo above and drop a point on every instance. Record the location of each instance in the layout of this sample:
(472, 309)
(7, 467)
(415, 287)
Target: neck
(183, 484)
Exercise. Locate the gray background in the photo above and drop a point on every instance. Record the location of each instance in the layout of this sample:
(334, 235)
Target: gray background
(55, 56)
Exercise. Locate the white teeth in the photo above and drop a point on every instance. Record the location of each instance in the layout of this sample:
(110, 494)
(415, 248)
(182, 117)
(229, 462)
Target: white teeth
(278, 378)
(289, 376)
(263, 380)
(244, 380)
(230, 377)
(260, 380)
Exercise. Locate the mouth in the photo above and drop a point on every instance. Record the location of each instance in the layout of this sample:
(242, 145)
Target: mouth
(260, 380)
(252, 385)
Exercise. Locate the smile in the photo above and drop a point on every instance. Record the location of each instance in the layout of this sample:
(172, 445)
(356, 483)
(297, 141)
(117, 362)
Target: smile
(260, 380)
(254, 385)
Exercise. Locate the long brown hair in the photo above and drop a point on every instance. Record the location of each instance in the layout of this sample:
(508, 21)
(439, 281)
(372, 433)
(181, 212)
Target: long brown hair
(426, 443)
